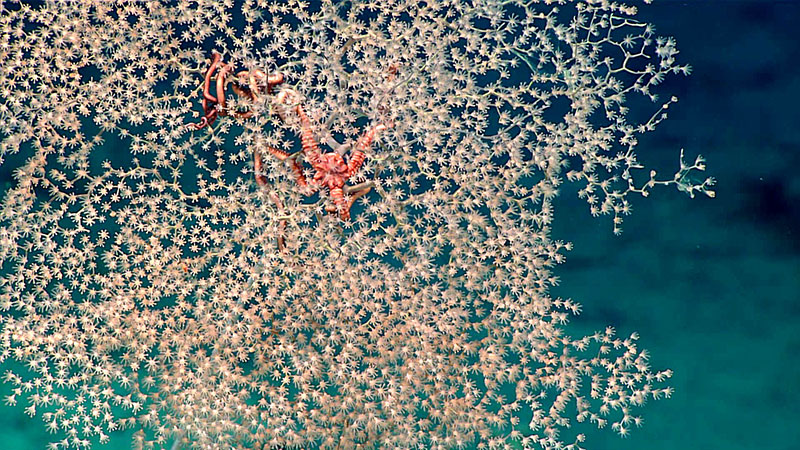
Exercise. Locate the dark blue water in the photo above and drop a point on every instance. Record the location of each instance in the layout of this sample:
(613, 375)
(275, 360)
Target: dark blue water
(712, 285)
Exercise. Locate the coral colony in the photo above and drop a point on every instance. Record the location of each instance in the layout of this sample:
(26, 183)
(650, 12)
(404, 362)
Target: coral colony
(297, 225)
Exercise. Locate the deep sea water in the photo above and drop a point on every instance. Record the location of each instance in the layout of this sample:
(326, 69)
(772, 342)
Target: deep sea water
(712, 285)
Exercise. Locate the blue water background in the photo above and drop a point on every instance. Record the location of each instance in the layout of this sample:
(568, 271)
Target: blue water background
(712, 285)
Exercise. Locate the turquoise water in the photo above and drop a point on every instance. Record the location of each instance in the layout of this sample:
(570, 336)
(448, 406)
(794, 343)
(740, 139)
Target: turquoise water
(711, 285)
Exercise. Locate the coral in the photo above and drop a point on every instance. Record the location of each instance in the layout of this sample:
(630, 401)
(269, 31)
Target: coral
(175, 280)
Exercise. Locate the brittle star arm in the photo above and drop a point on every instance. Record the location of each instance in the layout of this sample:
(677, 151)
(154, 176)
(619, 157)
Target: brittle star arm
(207, 97)
(309, 144)
(297, 169)
(358, 156)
